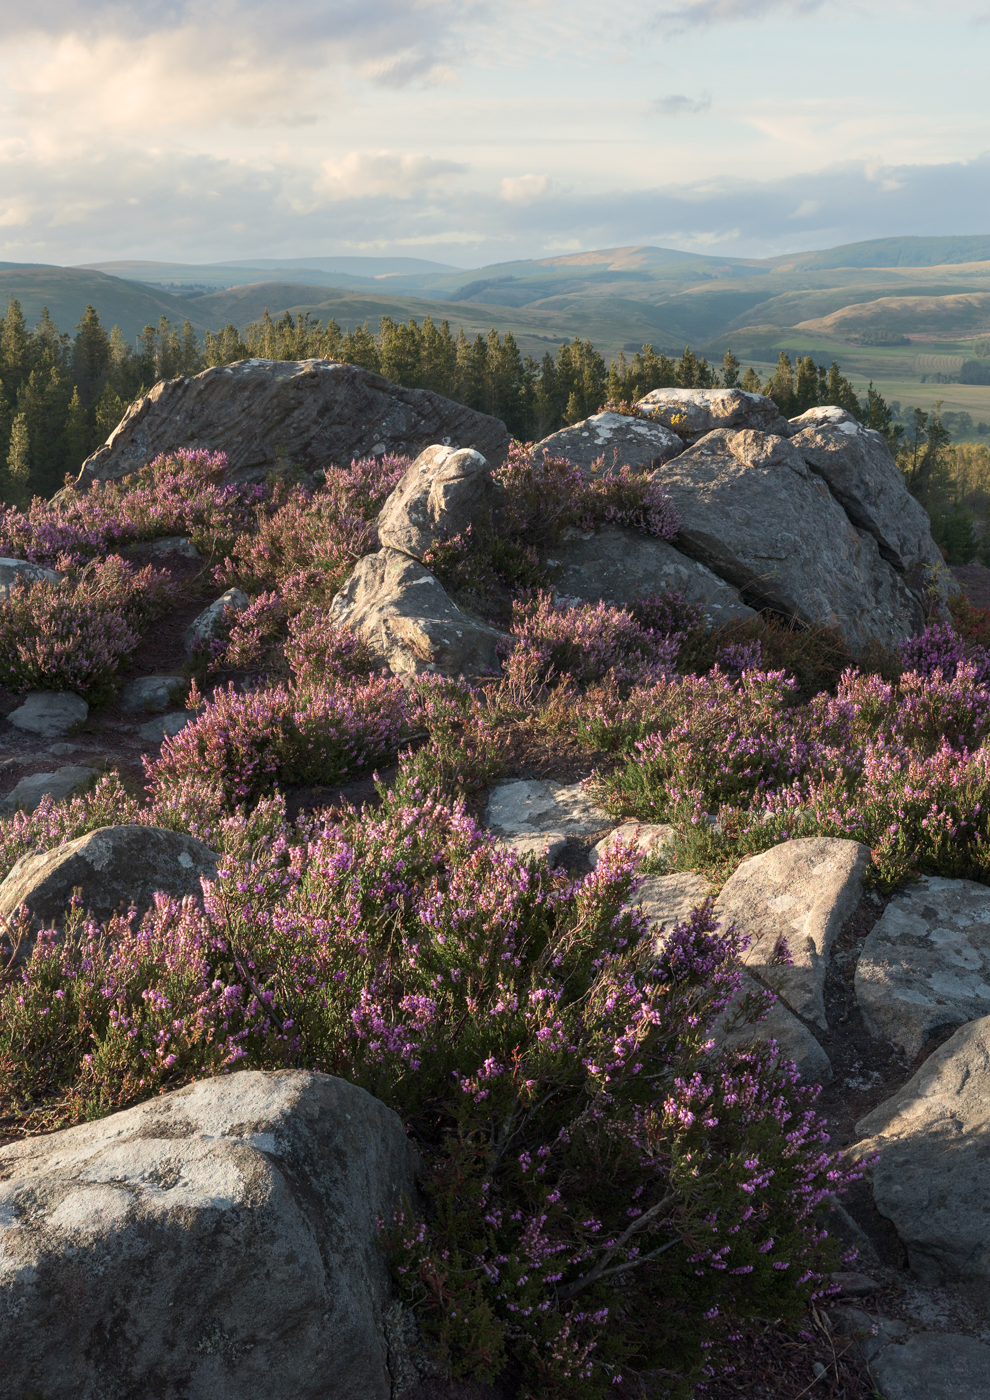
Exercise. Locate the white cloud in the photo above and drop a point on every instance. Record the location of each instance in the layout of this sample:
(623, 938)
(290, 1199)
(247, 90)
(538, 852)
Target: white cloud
(369, 174)
(680, 106)
(701, 12)
(524, 189)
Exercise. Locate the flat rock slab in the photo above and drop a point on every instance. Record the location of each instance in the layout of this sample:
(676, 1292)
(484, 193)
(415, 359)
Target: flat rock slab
(171, 544)
(667, 900)
(618, 566)
(204, 628)
(530, 807)
(605, 443)
(113, 867)
(931, 1180)
(50, 713)
(152, 694)
(548, 846)
(58, 785)
(801, 892)
(229, 1232)
(157, 730)
(926, 963)
(311, 412)
(444, 491)
(410, 623)
(934, 1366)
(871, 1334)
(691, 413)
(649, 837)
(754, 512)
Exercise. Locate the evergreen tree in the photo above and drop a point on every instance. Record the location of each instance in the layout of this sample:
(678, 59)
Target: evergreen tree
(15, 348)
(91, 358)
(18, 463)
(880, 418)
(751, 381)
(806, 386)
(78, 433)
(730, 370)
(780, 385)
(688, 370)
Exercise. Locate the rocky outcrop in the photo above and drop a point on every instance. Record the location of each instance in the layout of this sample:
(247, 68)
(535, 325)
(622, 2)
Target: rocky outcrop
(605, 442)
(151, 695)
(113, 868)
(308, 412)
(651, 839)
(209, 624)
(216, 1243)
(20, 571)
(49, 713)
(523, 807)
(736, 1029)
(28, 793)
(755, 514)
(691, 413)
(410, 623)
(800, 892)
(618, 566)
(926, 963)
(865, 480)
(443, 493)
(931, 1178)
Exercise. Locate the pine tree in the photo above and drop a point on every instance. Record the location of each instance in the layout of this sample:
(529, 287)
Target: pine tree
(751, 381)
(78, 433)
(730, 370)
(91, 358)
(18, 462)
(15, 348)
(806, 386)
(780, 385)
(688, 369)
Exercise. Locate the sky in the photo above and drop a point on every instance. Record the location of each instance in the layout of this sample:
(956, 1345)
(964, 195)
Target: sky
(478, 131)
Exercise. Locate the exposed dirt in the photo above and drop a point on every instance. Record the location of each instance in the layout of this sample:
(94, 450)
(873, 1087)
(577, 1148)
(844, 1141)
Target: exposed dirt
(974, 580)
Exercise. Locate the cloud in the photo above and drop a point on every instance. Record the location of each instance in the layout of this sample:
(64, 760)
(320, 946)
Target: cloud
(364, 174)
(524, 189)
(679, 106)
(701, 12)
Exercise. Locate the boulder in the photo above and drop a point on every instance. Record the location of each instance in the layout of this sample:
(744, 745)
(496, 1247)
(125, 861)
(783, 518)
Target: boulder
(152, 694)
(752, 511)
(216, 1243)
(691, 413)
(14, 571)
(208, 625)
(405, 616)
(651, 838)
(926, 962)
(533, 807)
(50, 713)
(58, 785)
(113, 867)
(666, 900)
(932, 1139)
(868, 484)
(544, 845)
(735, 1029)
(946, 1365)
(441, 494)
(606, 442)
(801, 892)
(157, 730)
(153, 549)
(308, 412)
(618, 566)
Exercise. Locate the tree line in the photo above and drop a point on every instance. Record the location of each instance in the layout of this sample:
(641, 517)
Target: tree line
(61, 396)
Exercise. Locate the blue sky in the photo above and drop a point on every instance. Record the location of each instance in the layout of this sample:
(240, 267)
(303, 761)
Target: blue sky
(472, 131)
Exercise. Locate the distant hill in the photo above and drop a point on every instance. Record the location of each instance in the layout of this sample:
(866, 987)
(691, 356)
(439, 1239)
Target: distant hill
(923, 317)
(66, 291)
(896, 252)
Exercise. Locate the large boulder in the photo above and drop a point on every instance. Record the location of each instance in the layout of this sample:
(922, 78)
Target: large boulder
(49, 713)
(307, 412)
(113, 867)
(866, 481)
(754, 513)
(14, 572)
(617, 566)
(211, 621)
(691, 413)
(444, 491)
(27, 794)
(411, 625)
(604, 443)
(217, 1243)
(800, 892)
(926, 963)
(931, 1179)
(527, 807)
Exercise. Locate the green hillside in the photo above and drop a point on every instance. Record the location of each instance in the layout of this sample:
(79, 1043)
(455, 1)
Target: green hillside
(66, 291)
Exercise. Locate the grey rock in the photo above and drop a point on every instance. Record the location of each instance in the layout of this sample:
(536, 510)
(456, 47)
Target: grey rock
(691, 413)
(212, 1244)
(854, 1285)
(666, 900)
(113, 867)
(409, 622)
(736, 1029)
(307, 412)
(872, 1334)
(156, 730)
(931, 1179)
(531, 807)
(868, 484)
(934, 1366)
(649, 837)
(926, 962)
(441, 494)
(204, 628)
(13, 571)
(801, 891)
(151, 694)
(58, 785)
(172, 544)
(50, 713)
(606, 442)
(545, 845)
(843, 1227)
(64, 748)
(758, 517)
(618, 566)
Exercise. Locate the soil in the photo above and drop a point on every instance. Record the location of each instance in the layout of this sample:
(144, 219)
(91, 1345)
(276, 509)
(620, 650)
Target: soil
(974, 580)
